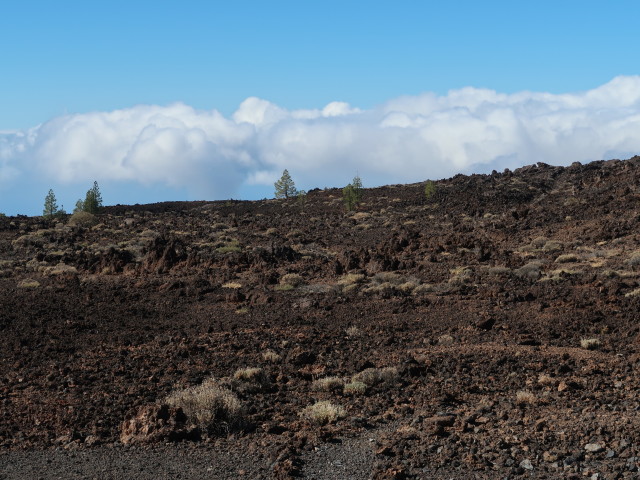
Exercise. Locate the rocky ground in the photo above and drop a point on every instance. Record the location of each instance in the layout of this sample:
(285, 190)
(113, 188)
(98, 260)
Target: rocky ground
(488, 331)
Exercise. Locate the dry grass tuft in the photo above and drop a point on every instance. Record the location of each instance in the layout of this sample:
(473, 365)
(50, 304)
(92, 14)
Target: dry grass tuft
(351, 279)
(424, 288)
(353, 332)
(547, 380)
(524, 397)
(552, 246)
(566, 258)
(327, 384)
(323, 412)
(375, 376)
(529, 271)
(209, 404)
(292, 279)
(634, 259)
(271, 356)
(251, 374)
(355, 388)
(590, 343)
(28, 283)
(633, 293)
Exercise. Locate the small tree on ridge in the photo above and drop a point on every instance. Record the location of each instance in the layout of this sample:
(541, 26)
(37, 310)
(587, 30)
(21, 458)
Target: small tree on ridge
(285, 187)
(50, 204)
(92, 201)
(352, 193)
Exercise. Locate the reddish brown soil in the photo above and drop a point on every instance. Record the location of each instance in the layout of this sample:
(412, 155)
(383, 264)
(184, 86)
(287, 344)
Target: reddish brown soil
(478, 293)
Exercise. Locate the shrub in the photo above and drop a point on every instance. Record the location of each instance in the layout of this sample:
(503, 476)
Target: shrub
(375, 376)
(590, 343)
(634, 259)
(524, 397)
(424, 288)
(445, 339)
(530, 271)
(83, 219)
(461, 275)
(545, 379)
(271, 356)
(327, 384)
(251, 374)
(28, 283)
(323, 412)
(353, 331)
(552, 246)
(351, 279)
(539, 242)
(429, 189)
(292, 279)
(566, 258)
(209, 405)
(355, 388)
(230, 246)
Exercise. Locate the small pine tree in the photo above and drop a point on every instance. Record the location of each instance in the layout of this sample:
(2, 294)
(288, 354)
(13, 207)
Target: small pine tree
(93, 200)
(61, 213)
(352, 194)
(50, 205)
(302, 198)
(429, 189)
(285, 187)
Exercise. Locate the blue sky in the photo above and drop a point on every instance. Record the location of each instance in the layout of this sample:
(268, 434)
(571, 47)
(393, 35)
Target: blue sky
(242, 90)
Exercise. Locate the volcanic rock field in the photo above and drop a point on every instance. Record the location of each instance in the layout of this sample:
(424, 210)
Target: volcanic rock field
(490, 329)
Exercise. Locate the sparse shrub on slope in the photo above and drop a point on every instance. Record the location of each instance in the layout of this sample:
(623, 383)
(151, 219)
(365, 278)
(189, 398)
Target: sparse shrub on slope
(209, 405)
(83, 219)
(327, 384)
(323, 412)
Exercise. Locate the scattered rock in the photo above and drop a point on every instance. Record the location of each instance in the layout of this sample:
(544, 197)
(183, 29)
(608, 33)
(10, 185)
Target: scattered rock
(156, 423)
(593, 447)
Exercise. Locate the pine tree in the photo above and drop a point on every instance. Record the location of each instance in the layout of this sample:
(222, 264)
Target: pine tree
(429, 189)
(352, 193)
(50, 204)
(93, 200)
(285, 187)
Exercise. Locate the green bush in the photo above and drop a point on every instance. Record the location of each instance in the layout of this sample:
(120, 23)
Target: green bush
(429, 189)
(83, 219)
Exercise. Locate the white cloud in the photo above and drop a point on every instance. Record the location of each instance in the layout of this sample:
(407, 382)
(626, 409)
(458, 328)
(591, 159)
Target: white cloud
(406, 139)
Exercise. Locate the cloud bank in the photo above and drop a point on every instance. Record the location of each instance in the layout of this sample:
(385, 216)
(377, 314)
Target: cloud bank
(406, 139)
